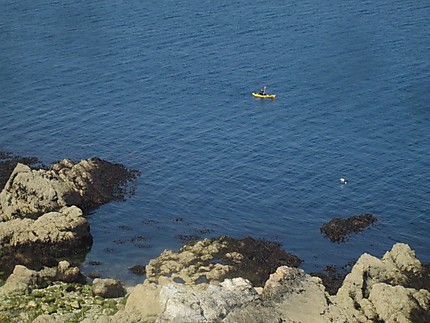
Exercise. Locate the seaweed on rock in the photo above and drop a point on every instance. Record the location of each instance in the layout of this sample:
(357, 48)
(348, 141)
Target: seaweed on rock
(337, 229)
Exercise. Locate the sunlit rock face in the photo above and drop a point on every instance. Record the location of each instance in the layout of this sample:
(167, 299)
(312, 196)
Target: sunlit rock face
(41, 217)
(30, 193)
(392, 289)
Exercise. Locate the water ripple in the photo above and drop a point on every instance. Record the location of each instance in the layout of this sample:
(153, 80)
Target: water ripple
(168, 92)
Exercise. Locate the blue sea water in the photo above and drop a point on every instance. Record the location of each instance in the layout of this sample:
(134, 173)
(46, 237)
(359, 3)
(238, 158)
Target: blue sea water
(165, 87)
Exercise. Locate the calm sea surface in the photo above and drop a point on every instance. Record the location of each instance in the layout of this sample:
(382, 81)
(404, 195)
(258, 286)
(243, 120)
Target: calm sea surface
(165, 87)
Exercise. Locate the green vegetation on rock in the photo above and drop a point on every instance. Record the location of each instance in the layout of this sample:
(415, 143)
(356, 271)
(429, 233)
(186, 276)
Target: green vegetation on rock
(72, 302)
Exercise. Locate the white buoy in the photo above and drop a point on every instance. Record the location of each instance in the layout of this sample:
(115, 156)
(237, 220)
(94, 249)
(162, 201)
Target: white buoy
(343, 181)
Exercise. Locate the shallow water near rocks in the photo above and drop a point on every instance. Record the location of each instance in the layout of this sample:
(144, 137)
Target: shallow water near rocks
(166, 89)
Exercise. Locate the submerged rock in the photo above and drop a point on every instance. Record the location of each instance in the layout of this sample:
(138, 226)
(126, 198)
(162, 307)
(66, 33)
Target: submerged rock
(338, 229)
(138, 270)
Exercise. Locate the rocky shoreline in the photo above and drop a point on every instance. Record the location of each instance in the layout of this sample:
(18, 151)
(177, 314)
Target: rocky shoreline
(42, 209)
(212, 280)
(394, 288)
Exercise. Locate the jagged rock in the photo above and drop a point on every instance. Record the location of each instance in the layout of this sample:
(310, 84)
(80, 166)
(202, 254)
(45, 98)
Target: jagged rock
(398, 268)
(392, 289)
(8, 162)
(108, 288)
(213, 260)
(298, 297)
(40, 209)
(400, 304)
(33, 242)
(187, 303)
(211, 304)
(289, 295)
(30, 193)
(68, 224)
(63, 272)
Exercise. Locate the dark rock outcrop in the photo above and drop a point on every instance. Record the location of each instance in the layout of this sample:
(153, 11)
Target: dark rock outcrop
(138, 270)
(337, 229)
(260, 258)
(331, 278)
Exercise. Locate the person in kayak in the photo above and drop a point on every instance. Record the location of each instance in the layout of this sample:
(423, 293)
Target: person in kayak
(263, 90)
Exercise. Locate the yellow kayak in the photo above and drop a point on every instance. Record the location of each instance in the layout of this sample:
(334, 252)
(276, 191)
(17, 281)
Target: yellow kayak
(264, 96)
